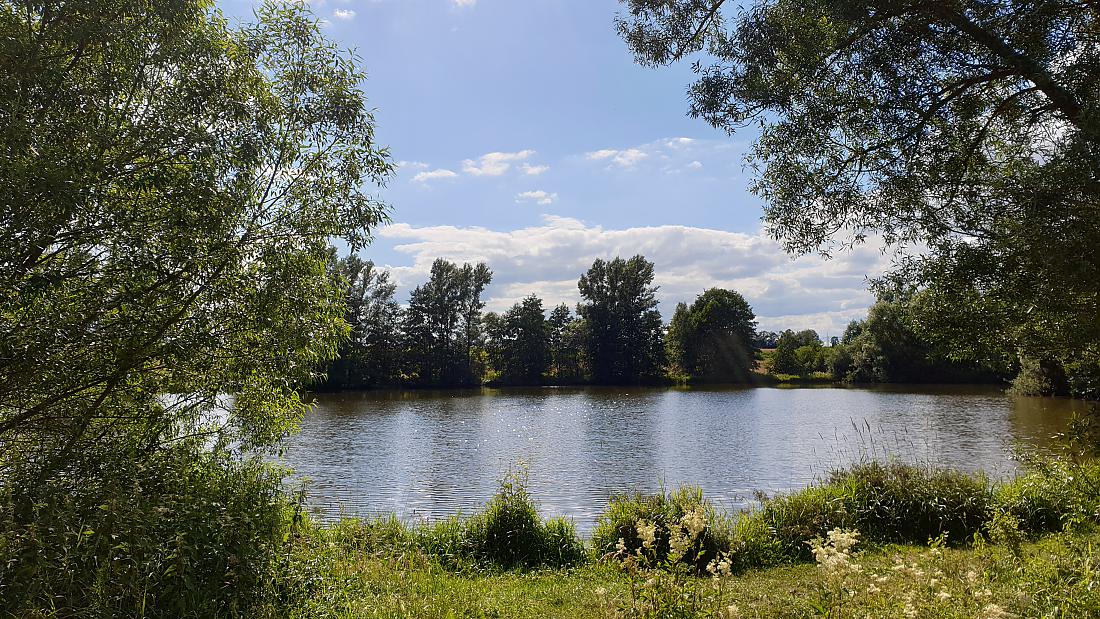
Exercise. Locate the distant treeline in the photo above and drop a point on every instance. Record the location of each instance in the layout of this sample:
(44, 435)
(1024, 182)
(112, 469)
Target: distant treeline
(885, 347)
(615, 335)
(441, 338)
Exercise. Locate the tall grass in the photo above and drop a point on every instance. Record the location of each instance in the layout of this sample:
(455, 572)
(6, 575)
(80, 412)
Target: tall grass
(889, 503)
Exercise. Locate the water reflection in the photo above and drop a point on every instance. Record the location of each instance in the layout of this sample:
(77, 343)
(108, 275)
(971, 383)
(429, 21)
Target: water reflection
(431, 454)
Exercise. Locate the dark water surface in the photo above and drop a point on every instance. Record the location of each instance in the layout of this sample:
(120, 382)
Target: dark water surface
(432, 454)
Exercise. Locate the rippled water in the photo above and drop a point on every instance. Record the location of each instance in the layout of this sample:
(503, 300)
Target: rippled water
(432, 454)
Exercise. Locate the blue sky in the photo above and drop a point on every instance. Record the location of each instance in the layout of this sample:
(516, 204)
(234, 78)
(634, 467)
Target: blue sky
(529, 139)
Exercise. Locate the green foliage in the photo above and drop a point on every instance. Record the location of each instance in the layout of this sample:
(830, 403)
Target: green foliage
(903, 503)
(1054, 493)
(371, 356)
(623, 327)
(713, 339)
(523, 340)
(887, 503)
(919, 124)
(783, 360)
(171, 183)
(174, 535)
(509, 533)
(666, 512)
(893, 346)
(162, 256)
(443, 324)
(567, 337)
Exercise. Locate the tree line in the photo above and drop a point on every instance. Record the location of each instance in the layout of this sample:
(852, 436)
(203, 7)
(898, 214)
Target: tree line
(615, 335)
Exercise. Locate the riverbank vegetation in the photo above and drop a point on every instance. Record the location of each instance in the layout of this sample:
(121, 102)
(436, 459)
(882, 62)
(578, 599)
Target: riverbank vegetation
(227, 541)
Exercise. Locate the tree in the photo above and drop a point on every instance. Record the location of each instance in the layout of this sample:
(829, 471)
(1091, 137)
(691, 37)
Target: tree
(676, 339)
(169, 186)
(766, 339)
(970, 128)
(372, 354)
(713, 339)
(784, 360)
(624, 340)
(443, 323)
(168, 208)
(525, 350)
(889, 348)
(567, 339)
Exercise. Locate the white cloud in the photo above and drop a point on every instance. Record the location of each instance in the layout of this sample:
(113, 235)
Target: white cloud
(547, 259)
(623, 158)
(463, 3)
(494, 164)
(344, 14)
(415, 165)
(441, 173)
(679, 142)
(539, 196)
(534, 170)
(695, 165)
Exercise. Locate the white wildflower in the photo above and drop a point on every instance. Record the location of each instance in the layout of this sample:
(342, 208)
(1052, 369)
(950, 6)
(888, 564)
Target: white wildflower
(647, 532)
(695, 522)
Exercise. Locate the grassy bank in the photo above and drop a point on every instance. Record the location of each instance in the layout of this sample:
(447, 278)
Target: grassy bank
(1058, 576)
(877, 539)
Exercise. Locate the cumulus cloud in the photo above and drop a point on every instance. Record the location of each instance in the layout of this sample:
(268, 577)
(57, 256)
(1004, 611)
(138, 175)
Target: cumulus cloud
(344, 14)
(534, 170)
(463, 3)
(695, 165)
(415, 165)
(538, 196)
(622, 158)
(494, 164)
(423, 177)
(547, 259)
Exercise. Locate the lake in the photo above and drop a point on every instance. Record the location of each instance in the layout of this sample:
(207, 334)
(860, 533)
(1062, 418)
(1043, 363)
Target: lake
(430, 454)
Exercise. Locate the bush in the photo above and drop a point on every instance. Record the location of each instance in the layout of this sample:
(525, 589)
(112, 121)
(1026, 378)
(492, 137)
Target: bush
(509, 532)
(901, 503)
(792, 519)
(1054, 494)
(664, 510)
(181, 534)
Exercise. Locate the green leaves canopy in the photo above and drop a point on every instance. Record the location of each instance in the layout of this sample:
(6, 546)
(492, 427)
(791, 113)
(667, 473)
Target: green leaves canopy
(624, 340)
(966, 130)
(713, 339)
(169, 188)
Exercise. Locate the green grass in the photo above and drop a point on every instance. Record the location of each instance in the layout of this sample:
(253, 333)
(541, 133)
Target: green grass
(1058, 576)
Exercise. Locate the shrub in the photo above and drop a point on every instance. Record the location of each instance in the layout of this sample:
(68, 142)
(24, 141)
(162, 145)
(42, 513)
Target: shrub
(664, 511)
(909, 504)
(792, 519)
(181, 534)
(1053, 494)
(890, 503)
(507, 533)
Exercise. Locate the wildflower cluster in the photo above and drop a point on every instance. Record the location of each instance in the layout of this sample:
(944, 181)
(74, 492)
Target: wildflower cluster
(834, 553)
(668, 586)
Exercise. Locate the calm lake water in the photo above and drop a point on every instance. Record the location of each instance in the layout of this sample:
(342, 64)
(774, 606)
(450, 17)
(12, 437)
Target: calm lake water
(432, 454)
